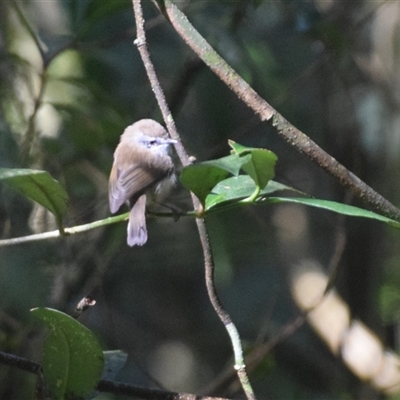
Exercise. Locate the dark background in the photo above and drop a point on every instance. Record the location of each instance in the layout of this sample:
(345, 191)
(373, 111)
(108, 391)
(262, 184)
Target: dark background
(330, 67)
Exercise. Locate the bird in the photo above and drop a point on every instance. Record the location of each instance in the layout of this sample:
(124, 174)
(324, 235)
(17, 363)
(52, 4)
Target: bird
(142, 174)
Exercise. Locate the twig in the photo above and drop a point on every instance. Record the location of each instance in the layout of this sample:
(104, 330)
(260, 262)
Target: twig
(150, 394)
(30, 133)
(267, 113)
(261, 349)
(222, 314)
(19, 362)
(67, 231)
(39, 44)
(106, 385)
(85, 303)
(140, 42)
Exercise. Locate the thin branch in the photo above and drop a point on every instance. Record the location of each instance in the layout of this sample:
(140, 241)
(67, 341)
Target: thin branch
(67, 231)
(106, 385)
(222, 314)
(39, 44)
(30, 133)
(19, 362)
(148, 394)
(267, 113)
(261, 349)
(140, 42)
(84, 304)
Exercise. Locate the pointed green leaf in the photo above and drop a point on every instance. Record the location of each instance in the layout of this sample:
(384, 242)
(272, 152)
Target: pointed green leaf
(261, 165)
(238, 188)
(39, 186)
(237, 148)
(200, 178)
(229, 193)
(231, 163)
(72, 357)
(339, 208)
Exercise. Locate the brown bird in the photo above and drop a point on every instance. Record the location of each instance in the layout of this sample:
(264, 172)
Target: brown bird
(142, 173)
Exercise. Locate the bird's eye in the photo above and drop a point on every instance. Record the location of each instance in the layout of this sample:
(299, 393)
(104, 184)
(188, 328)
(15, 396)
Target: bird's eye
(151, 143)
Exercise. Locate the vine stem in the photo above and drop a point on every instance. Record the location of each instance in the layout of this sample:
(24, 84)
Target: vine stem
(223, 315)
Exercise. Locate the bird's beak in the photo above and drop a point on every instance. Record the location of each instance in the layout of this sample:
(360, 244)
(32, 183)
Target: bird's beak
(166, 141)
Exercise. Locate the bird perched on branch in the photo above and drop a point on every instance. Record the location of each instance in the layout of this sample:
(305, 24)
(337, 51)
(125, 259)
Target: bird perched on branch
(142, 173)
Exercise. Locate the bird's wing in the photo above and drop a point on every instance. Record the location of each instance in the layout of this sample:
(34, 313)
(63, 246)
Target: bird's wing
(130, 183)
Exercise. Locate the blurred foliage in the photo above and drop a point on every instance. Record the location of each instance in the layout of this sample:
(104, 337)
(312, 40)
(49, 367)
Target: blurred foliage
(71, 80)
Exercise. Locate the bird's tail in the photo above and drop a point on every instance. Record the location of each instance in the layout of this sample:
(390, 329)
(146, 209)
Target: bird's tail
(137, 231)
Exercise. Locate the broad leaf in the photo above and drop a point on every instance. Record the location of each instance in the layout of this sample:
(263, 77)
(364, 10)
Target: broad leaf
(72, 357)
(39, 186)
(261, 165)
(200, 178)
(238, 188)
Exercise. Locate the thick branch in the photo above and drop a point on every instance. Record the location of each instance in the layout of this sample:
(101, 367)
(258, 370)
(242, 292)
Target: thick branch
(267, 113)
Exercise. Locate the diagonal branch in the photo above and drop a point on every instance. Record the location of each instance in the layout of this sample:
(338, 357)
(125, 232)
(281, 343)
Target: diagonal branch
(267, 113)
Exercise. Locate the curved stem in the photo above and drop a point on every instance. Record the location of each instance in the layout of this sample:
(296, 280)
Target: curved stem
(140, 42)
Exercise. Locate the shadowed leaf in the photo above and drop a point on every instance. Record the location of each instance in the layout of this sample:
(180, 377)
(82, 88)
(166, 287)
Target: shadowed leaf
(72, 357)
(39, 186)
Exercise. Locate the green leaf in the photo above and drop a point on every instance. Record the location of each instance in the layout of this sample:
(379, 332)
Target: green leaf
(261, 165)
(200, 178)
(39, 186)
(339, 208)
(238, 188)
(230, 192)
(72, 357)
(232, 163)
(237, 148)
